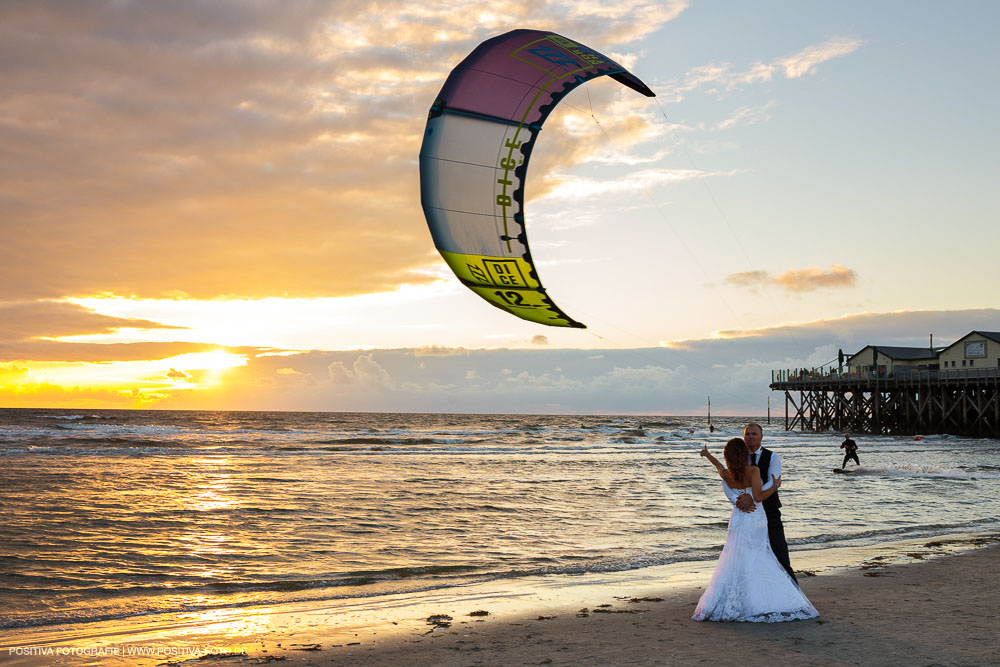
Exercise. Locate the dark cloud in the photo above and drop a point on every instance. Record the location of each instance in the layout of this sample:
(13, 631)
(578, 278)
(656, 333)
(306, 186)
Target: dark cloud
(27, 320)
(852, 332)
(734, 370)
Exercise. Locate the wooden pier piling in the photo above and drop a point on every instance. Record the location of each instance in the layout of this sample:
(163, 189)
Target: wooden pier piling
(959, 402)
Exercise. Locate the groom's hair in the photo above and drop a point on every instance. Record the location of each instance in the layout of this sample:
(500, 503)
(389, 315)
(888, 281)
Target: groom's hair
(759, 427)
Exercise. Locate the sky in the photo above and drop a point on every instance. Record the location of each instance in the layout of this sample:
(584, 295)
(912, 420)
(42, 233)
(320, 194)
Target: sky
(215, 205)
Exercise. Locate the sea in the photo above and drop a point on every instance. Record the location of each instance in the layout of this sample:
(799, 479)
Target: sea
(123, 514)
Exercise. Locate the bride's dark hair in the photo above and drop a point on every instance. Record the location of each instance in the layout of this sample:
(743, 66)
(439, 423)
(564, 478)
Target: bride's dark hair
(736, 454)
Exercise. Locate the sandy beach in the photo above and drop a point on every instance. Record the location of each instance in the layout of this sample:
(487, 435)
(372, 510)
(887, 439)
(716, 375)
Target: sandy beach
(932, 603)
(940, 612)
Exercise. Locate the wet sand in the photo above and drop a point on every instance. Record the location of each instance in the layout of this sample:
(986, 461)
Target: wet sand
(939, 612)
(931, 602)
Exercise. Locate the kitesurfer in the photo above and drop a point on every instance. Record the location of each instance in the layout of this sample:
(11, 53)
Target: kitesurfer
(850, 450)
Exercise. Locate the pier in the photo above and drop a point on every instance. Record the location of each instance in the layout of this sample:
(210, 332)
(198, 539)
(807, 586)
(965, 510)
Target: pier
(906, 402)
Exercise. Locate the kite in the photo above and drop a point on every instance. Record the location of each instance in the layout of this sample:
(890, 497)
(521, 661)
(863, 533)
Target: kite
(474, 160)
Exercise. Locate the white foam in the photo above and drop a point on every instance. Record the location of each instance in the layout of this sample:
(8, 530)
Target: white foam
(917, 470)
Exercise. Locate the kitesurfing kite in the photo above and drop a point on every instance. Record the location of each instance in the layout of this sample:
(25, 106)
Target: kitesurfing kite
(474, 160)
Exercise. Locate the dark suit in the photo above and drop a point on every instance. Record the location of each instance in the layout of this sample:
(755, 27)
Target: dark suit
(772, 508)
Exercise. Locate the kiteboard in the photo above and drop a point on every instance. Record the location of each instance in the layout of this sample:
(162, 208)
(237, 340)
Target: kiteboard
(846, 471)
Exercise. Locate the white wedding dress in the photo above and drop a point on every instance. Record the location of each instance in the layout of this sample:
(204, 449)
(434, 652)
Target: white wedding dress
(749, 584)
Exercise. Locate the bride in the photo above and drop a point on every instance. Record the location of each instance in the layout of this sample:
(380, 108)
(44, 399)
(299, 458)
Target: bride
(748, 583)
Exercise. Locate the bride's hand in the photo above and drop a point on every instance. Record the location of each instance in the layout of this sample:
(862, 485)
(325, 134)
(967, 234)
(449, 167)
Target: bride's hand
(704, 450)
(776, 480)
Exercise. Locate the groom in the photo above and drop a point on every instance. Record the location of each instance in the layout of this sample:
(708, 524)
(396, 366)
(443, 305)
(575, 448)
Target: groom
(769, 464)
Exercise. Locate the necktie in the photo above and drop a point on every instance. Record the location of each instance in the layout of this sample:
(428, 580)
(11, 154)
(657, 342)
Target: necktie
(753, 459)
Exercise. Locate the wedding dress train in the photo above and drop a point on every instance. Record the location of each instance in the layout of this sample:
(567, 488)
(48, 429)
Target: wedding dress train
(749, 584)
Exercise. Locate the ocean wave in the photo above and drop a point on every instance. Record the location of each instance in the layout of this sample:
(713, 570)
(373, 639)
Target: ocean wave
(401, 580)
(900, 532)
(365, 583)
(119, 429)
(171, 444)
(69, 450)
(196, 586)
(917, 470)
(382, 441)
(84, 418)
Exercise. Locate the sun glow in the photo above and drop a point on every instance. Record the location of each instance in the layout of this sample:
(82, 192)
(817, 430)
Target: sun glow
(213, 361)
(117, 383)
(382, 319)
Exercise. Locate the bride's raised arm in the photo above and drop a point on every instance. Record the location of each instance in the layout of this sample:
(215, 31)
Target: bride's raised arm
(723, 471)
(759, 495)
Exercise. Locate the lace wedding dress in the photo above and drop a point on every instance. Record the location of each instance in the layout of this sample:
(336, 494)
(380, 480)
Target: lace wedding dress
(749, 584)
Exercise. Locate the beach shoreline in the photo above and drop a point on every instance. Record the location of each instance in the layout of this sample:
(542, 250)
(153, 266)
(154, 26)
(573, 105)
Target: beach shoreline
(936, 612)
(935, 593)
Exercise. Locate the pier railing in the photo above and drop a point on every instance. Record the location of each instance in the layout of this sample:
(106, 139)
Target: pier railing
(856, 373)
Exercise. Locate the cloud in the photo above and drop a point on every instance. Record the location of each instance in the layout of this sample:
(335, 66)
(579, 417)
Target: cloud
(718, 78)
(438, 351)
(797, 280)
(540, 340)
(734, 367)
(805, 280)
(237, 149)
(805, 61)
(31, 394)
(30, 332)
(617, 381)
(904, 328)
(629, 126)
(13, 370)
(105, 352)
(576, 187)
(364, 372)
(750, 279)
(28, 320)
(745, 116)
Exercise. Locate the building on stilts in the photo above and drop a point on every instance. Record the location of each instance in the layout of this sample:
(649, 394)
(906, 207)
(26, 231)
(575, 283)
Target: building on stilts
(896, 390)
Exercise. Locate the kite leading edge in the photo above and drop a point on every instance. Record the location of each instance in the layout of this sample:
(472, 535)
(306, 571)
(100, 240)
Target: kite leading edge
(474, 159)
